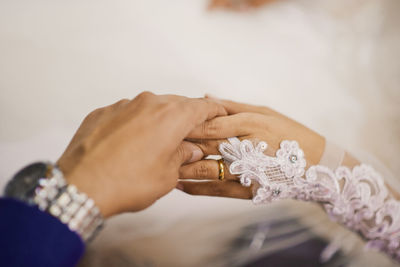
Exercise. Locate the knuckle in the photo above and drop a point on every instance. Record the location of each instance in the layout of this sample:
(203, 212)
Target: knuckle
(94, 114)
(201, 171)
(181, 152)
(210, 128)
(145, 96)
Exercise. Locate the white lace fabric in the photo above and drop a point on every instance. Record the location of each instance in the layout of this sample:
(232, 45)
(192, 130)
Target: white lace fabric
(357, 198)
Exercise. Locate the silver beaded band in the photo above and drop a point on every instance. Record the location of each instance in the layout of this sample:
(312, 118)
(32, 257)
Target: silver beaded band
(70, 206)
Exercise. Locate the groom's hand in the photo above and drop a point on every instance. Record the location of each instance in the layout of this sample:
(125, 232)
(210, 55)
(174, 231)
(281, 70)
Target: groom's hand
(127, 155)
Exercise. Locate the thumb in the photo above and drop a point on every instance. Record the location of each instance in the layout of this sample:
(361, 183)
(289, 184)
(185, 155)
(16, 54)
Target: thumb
(187, 152)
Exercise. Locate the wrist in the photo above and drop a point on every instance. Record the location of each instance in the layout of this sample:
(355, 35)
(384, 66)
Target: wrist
(44, 185)
(91, 186)
(314, 147)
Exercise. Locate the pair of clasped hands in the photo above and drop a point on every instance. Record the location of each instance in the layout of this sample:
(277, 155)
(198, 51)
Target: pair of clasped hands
(128, 155)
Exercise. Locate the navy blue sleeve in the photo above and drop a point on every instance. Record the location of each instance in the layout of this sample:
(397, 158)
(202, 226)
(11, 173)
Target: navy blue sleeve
(30, 237)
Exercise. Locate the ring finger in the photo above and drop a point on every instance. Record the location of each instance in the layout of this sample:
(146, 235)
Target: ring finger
(205, 170)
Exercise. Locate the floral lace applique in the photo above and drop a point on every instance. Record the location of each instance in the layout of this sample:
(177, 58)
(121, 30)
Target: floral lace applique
(356, 198)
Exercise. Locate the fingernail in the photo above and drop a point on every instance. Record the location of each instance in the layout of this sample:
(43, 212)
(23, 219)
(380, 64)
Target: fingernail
(179, 186)
(197, 154)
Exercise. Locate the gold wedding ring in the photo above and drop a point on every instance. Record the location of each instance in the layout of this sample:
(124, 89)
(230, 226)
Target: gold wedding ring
(221, 172)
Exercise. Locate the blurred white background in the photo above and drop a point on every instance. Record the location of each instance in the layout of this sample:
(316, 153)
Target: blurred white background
(332, 65)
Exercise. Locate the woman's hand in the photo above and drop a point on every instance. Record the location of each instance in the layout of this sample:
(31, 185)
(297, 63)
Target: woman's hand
(127, 155)
(245, 122)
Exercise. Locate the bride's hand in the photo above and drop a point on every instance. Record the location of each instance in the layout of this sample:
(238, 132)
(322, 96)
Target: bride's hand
(246, 122)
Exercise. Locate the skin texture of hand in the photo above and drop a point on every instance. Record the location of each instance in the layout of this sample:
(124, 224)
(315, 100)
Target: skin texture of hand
(127, 155)
(245, 122)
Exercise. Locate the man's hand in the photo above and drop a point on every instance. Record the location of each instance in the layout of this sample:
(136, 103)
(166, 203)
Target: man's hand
(127, 155)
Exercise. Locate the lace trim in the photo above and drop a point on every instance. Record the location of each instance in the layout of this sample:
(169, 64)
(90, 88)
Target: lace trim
(357, 198)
